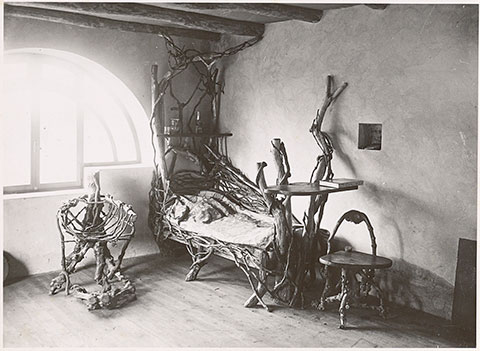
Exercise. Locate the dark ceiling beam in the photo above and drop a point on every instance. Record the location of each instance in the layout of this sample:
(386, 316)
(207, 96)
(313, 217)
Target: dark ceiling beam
(138, 12)
(377, 6)
(281, 11)
(86, 21)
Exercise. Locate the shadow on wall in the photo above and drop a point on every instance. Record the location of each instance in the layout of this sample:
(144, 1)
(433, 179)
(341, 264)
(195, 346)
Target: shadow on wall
(392, 203)
(395, 282)
(406, 283)
(409, 285)
(340, 131)
(404, 280)
(15, 268)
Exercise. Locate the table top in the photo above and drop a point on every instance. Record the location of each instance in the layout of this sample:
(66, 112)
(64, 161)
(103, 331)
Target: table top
(354, 259)
(304, 189)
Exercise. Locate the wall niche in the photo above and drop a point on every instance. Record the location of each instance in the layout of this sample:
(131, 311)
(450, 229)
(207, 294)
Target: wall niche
(369, 136)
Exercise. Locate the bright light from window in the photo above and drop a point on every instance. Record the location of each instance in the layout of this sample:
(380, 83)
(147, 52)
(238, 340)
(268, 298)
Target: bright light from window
(98, 143)
(58, 139)
(16, 131)
(16, 121)
(64, 112)
(113, 119)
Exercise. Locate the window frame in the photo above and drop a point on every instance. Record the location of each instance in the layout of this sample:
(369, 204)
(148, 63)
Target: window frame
(35, 61)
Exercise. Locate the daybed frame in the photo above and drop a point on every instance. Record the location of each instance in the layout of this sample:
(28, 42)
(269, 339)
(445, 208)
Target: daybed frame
(256, 262)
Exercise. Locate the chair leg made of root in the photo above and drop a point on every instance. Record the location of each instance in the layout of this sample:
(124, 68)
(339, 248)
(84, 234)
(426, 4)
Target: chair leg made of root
(71, 261)
(344, 299)
(353, 263)
(344, 296)
(347, 295)
(370, 282)
(199, 260)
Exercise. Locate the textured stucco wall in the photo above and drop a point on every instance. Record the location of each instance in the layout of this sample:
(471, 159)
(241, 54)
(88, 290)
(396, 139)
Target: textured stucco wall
(30, 233)
(31, 238)
(412, 68)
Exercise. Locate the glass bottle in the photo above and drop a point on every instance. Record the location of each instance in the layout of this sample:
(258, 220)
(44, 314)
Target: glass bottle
(198, 124)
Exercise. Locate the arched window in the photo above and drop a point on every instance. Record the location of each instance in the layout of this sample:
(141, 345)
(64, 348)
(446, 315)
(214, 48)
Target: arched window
(62, 113)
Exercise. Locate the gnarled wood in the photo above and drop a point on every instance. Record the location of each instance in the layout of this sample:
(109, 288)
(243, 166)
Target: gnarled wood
(158, 119)
(284, 235)
(323, 170)
(95, 230)
(280, 11)
(199, 260)
(94, 207)
(261, 285)
(307, 242)
(20, 10)
(111, 298)
(278, 151)
(282, 228)
(353, 263)
(139, 12)
(283, 173)
(377, 6)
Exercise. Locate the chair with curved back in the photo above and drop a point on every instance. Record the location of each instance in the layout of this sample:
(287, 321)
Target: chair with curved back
(353, 263)
(94, 221)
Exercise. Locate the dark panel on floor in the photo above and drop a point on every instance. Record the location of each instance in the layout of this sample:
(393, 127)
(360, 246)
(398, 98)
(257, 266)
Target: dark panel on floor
(464, 297)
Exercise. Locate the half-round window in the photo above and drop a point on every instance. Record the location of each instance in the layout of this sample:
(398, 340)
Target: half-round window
(62, 113)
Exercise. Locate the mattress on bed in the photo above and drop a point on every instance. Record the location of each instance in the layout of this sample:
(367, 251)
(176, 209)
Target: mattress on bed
(211, 214)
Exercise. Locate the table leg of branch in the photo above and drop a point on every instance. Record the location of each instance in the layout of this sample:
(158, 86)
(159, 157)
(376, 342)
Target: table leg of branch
(283, 229)
(285, 234)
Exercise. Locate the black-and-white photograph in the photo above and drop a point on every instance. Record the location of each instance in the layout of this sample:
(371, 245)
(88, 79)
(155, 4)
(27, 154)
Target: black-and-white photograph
(239, 174)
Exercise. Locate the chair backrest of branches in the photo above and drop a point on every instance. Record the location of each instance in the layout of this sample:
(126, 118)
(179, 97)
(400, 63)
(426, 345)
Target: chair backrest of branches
(115, 220)
(355, 217)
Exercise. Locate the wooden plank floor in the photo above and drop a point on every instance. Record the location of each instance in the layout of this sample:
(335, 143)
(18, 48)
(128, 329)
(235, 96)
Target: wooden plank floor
(170, 312)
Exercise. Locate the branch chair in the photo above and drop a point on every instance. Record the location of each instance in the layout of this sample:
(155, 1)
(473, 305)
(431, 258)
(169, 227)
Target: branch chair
(353, 264)
(94, 222)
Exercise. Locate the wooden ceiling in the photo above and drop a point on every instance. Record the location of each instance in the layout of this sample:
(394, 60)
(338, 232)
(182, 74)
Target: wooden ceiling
(194, 20)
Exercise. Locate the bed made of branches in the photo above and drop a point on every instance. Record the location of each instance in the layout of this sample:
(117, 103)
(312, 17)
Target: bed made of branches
(229, 194)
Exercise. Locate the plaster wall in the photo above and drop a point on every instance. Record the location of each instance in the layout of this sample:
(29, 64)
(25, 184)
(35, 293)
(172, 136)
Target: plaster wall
(412, 68)
(30, 233)
(31, 237)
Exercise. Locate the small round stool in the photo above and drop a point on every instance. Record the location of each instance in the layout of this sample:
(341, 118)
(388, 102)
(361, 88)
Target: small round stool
(353, 263)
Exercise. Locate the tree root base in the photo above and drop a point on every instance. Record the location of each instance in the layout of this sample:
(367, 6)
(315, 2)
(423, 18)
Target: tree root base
(111, 298)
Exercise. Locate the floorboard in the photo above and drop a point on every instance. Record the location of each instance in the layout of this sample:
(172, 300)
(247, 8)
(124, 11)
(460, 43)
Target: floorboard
(209, 312)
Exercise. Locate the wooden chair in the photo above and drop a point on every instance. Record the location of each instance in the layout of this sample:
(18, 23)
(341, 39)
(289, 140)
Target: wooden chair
(94, 221)
(353, 264)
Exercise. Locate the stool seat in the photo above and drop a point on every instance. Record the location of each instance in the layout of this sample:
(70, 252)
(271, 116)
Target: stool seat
(355, 266)
(354, 259)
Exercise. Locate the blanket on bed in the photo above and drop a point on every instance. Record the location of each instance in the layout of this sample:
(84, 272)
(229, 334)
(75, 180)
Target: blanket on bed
(211, 214)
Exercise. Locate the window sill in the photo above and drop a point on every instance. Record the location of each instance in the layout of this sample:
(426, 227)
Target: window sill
(75, 191)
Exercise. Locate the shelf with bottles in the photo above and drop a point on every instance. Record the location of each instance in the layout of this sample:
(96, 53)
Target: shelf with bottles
(175, 130)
